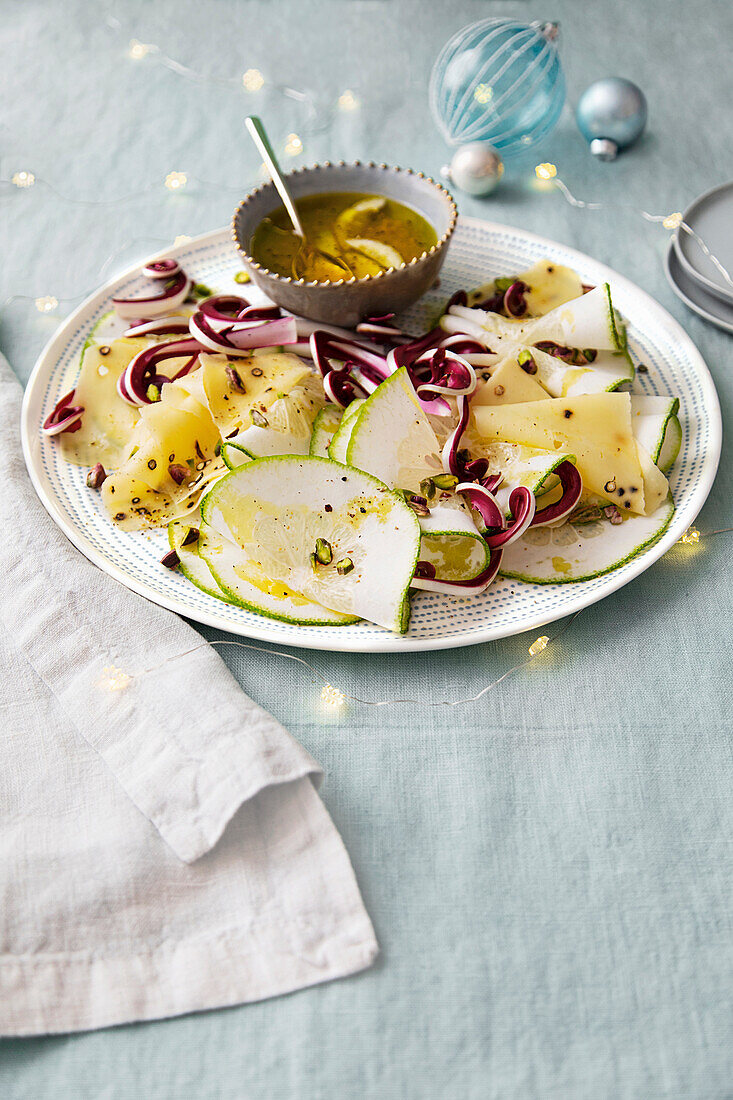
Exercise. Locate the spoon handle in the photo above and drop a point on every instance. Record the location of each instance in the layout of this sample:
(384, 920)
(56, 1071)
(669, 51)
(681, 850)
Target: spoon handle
(259, 137)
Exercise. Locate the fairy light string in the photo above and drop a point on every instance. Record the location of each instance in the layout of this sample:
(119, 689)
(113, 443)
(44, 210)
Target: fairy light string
(675, 222)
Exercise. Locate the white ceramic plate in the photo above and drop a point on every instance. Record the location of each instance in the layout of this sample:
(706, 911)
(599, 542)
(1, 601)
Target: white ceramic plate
(479, 251)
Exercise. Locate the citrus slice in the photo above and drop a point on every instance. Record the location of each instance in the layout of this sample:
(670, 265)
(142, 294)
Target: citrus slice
(324, 429)
(329, 533)
(393, 439)
(606, 373)
(359, 214)
(572, 553)
(247, 585)
(671, 444)
(192, 565)
(384, 255)
(650, 417)
(338, 446)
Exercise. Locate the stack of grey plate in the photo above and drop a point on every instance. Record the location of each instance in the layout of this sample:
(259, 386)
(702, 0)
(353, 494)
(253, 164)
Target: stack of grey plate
(691, 273)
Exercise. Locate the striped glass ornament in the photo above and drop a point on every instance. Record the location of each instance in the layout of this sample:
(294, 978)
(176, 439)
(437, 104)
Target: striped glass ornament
(498, 81)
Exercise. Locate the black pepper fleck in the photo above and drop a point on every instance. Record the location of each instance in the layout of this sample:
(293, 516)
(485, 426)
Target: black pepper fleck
(567, 413)
(104, 350)
(328, 508)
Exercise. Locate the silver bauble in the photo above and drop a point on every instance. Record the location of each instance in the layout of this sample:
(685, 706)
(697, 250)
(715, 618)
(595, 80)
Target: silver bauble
(475, 168)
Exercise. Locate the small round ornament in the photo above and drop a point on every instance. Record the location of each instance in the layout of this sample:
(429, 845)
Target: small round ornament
(498, 81)
(611, 114)
(475, 168)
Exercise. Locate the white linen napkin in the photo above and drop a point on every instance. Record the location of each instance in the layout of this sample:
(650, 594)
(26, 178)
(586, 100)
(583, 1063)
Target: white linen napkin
(162, 847)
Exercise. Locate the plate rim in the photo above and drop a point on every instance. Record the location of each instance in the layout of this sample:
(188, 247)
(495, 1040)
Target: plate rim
(370, 643)
(697, 276)
(712, 318)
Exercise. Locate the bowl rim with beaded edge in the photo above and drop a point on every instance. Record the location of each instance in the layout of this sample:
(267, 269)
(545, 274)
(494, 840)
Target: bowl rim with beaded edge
(350, 300)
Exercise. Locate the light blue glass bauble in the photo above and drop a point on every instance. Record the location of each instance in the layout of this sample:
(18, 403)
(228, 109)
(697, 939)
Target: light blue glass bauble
(611, 114)
(498, 81)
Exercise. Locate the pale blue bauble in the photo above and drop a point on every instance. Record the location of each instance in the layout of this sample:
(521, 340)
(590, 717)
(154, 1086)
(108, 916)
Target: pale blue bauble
(498, 81)
(611, 114)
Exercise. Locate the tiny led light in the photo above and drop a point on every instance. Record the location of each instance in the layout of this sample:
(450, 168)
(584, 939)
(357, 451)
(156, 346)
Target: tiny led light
(138, 50)
(673, 221)
(46, 304)
(347, 101)
(691, 536)
(545, 171)
(538, 645)
(293, 145)
(331, 696)
(23, 179)
(114, 679)
(253, 80)
(483, 93)
(176, 181)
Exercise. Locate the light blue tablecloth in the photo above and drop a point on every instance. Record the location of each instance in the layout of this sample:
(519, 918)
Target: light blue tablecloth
(548, 870)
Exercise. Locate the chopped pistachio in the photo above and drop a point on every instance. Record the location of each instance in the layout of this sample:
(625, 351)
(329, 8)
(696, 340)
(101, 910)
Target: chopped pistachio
(427, 488)
(258, 419)
(235, 380)
(344, 566)
(170, 560)
(418, 503)
(241, 277)
(201, 290)
(444, 481)
(96, 476)
(504, 283)
(324, 552)
(178, 473)
(152, 393)
(191, 536)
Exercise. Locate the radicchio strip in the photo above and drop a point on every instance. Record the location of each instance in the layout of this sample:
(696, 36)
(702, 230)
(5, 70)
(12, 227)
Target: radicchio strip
(141, 373)
(175, 292)
(238, 338)
(572, 486)
(64, 417)
(483, 501)
(522, 507)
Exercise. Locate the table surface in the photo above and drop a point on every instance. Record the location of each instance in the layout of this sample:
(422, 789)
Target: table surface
(548, 870)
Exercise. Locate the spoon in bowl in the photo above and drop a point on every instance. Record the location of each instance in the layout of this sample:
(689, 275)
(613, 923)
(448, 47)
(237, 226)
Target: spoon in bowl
(259, 137)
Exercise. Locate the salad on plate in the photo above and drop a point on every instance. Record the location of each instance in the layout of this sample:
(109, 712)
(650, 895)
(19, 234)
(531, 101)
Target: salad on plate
(324, 476)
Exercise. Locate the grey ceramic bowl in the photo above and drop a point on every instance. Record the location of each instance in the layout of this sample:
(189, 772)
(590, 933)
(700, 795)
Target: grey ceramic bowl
(348, 301)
